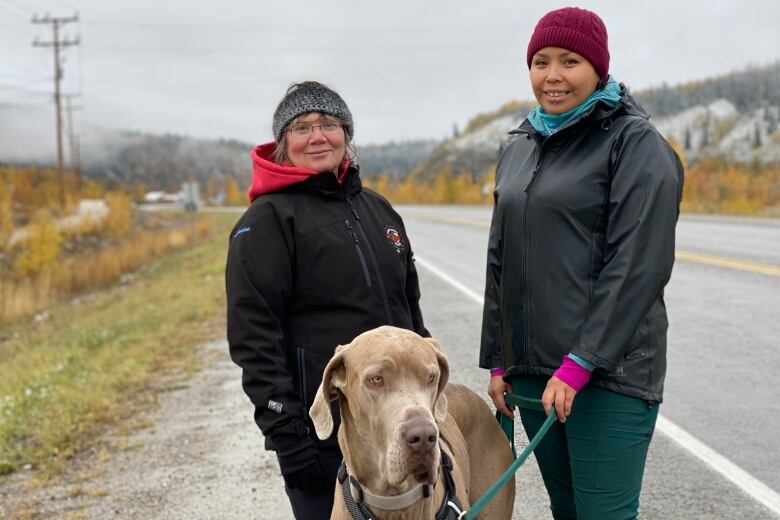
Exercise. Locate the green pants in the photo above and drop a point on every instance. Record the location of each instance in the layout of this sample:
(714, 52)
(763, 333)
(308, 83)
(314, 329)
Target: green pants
(592, 465)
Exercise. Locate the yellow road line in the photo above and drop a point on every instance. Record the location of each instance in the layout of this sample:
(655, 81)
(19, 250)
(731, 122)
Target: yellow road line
(446, 218)
(687, 256)
(731, 263)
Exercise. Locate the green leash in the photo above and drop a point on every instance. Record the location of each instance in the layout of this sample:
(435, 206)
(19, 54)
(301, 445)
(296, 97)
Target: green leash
(508, 426)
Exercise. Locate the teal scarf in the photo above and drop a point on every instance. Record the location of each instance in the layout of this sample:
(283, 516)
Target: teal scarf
(547, 124)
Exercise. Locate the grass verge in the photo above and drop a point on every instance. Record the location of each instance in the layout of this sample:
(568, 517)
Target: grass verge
(89, 364)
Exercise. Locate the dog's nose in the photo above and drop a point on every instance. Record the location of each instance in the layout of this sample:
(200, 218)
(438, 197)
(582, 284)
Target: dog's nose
(421, 436)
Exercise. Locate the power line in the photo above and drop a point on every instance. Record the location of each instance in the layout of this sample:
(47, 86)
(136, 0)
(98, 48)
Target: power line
(12, 8)
(73, 140)
(26, 80)
(35, 6)
(25, 71)
(15, 27)
(27, 103)
(56, 44)
(65, 5)
(255, 28)
(409, 46)
(80, 83)
(22, 90)
(13, 4)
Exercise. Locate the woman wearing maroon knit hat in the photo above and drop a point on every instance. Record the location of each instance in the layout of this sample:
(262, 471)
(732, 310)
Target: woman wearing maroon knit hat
(581, 246)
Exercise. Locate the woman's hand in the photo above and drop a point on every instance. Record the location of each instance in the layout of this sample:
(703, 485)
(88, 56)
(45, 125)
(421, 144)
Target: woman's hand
(496, 390)
(559, 395)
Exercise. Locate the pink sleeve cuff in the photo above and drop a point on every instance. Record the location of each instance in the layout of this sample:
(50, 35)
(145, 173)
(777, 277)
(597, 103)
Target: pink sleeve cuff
(496, 372)
(572, 374)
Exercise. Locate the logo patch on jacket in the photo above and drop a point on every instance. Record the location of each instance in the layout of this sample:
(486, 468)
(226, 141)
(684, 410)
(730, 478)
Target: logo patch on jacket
(241, 230)
(275, 406)
(394, 236)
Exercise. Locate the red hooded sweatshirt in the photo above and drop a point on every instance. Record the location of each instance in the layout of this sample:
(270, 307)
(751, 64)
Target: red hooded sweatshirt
(268, 176)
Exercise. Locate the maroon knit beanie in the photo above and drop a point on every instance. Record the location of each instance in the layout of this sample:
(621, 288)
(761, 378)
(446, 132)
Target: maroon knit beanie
(577, 30)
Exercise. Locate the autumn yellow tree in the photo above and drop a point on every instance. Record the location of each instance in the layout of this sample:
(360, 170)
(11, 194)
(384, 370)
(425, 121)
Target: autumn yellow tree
(42, 246)
(120, 214)
(408, 190)
(444, 187)
(467, 189)
(233, 196)
(92, 190)
(382, 185)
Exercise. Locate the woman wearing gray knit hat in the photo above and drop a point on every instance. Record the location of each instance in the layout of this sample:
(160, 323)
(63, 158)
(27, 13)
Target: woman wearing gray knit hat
(581, 246)
(314, 261)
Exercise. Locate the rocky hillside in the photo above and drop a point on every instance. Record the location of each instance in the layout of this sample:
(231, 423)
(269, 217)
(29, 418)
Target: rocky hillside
(736, 116)
(163, 162)
(397, 159)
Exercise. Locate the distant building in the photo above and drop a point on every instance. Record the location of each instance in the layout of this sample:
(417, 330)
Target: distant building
(161, 197)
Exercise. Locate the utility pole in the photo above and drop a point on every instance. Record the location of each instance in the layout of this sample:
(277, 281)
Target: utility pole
(73, 141)
(57, 44)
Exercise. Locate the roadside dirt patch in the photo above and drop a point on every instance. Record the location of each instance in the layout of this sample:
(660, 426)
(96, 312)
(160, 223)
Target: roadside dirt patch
(198, 454)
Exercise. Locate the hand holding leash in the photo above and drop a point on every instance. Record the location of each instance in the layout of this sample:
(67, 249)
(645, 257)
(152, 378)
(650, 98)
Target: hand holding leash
(496, 390)
(560, 396)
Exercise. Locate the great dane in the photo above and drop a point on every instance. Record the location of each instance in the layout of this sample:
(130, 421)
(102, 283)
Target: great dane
(414, 447)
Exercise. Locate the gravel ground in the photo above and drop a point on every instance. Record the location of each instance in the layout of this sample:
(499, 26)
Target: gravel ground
(200, 455)
(202, 458)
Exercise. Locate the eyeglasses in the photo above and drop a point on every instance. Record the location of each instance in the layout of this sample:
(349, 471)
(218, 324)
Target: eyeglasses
(305, 129)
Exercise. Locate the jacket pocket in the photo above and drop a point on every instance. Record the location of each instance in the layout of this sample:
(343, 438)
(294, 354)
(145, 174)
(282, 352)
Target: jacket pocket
(639, 342)
(622, 451)
(638, 353)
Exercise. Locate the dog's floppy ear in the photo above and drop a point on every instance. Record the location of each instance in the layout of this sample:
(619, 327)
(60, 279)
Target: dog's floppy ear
(440, 407)
(333, 378)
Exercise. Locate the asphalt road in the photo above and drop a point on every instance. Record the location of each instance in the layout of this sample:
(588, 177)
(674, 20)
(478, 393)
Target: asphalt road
(723, 304)
(715, 453)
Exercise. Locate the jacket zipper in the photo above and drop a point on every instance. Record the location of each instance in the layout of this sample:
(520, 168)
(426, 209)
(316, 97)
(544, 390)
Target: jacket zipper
(351, 231)
(302, 382)
(526, 240)
(380, 281)
(361, 257)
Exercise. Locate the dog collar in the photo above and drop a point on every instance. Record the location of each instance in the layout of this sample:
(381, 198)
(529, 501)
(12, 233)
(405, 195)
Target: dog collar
(358, 499)
(389, 503)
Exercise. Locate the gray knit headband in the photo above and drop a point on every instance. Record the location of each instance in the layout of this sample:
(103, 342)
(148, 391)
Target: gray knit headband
(310, 96)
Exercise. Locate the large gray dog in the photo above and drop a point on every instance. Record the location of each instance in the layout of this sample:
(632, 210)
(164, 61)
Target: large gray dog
(403, 426)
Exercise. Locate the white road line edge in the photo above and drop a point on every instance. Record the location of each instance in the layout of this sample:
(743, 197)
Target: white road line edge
(739, 477)
(476, 298)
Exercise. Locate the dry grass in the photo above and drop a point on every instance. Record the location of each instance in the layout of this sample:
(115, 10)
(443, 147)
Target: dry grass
(92, 362)
(91, 270)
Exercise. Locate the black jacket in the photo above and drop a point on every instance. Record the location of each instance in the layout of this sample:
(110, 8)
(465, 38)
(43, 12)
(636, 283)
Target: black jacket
(309, 268)
(581, 246)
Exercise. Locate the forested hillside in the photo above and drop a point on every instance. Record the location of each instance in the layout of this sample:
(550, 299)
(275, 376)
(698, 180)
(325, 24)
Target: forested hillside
(727, 129)
(734, 116)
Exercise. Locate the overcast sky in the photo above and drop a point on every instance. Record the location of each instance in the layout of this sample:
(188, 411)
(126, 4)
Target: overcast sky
(407, 68)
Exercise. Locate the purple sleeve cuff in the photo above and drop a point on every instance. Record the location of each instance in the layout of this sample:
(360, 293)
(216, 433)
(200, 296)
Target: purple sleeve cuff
(497, 372)
(573, 374)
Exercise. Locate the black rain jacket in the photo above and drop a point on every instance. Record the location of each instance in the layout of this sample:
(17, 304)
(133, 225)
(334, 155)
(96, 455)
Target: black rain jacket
(581, 246)
(309, 268)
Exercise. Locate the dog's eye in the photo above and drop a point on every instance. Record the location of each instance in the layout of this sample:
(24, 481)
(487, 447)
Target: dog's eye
(431, 379)
(376, 380)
